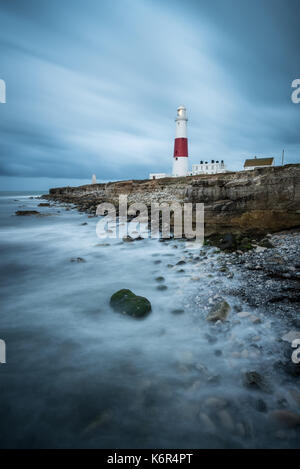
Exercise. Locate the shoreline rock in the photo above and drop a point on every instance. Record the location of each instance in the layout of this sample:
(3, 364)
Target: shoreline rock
(126, 302)
(26, 213)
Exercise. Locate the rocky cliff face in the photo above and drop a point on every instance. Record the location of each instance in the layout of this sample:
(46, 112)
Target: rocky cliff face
(259, 201)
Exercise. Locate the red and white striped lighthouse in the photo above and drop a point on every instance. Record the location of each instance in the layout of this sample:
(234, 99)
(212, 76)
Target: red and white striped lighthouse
(180, 163)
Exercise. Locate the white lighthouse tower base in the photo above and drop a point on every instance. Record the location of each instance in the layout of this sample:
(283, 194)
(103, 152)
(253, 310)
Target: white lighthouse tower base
(180, 167)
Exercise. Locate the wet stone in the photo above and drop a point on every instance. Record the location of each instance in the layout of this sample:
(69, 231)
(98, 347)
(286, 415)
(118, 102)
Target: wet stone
(161, 287)
(160, 279)
(177, 311)
(77, 259)
(254, 380)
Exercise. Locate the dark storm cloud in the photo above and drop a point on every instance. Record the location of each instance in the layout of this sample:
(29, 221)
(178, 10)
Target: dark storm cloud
(256, 43)
(93, 86)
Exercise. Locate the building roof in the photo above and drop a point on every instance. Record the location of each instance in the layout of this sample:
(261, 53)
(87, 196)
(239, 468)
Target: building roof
(259, 162)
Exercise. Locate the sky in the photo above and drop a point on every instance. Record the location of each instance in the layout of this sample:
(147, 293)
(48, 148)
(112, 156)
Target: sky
(92, 86)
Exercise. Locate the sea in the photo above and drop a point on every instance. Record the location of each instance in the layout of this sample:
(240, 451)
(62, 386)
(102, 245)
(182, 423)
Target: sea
(80, 375)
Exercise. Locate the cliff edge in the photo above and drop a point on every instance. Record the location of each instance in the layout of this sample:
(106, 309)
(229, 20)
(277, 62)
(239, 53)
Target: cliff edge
(259, 201)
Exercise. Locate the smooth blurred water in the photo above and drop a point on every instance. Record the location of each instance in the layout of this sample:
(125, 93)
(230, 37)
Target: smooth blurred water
(80, 375)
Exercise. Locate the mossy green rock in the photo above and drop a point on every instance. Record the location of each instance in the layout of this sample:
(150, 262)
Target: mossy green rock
(126, 302)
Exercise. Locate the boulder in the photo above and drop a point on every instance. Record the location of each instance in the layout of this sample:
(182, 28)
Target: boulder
(126, 302)
(219, 312)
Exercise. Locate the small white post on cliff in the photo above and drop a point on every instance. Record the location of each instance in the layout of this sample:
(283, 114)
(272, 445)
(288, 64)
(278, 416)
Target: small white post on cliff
(94, 180)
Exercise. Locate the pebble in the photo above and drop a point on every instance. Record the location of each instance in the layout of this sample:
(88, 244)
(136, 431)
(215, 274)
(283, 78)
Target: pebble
(254, 319)
(243, 314)
(256, 338)
(161, 287)
(160, 279)
(260, 249)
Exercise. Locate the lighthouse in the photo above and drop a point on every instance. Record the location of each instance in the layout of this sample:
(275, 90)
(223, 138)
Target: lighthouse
(180, 161)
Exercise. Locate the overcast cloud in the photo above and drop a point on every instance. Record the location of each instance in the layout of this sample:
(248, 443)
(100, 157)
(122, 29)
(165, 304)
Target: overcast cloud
(93, 86)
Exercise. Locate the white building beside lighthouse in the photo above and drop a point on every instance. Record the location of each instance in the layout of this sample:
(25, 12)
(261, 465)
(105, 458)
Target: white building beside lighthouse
(212, 167)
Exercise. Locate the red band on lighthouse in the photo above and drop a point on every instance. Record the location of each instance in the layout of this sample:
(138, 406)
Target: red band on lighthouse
(181, 147)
